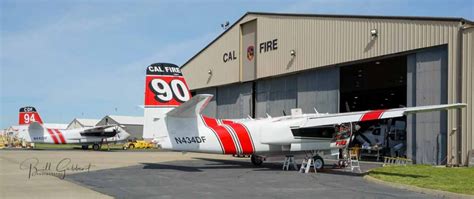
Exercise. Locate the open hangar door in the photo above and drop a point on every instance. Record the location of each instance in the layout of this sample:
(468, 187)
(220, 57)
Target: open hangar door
(374, 85)
(415, 79)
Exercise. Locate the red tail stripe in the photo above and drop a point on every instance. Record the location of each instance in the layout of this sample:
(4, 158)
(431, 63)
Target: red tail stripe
(222, 134)
(60, 135)
(55, 139)
(243, 135)
(372, 115)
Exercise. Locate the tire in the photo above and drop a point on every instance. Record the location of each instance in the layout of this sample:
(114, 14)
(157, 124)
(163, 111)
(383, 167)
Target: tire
(96, 147)
(256, 160)
(124, 148)
(318, 163)
(131, 146)
(85, 147)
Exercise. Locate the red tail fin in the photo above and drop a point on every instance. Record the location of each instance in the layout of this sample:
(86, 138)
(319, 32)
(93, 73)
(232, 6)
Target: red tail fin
(165, 86)
(29, 115)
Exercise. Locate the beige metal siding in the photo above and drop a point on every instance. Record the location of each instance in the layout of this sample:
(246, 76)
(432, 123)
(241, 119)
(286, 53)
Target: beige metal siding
(327, 41)
(196, 71)
(468, 96)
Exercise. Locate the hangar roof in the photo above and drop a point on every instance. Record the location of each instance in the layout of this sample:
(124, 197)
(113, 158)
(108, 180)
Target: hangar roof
(127, 119)
(87, 122)
(423, 18)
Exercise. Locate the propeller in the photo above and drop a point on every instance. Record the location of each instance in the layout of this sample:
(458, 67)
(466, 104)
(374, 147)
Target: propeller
(117, 131)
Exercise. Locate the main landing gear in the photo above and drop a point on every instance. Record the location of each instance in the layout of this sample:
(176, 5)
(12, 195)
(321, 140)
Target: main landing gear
(318, 162)
(256, 160)
(96, 147)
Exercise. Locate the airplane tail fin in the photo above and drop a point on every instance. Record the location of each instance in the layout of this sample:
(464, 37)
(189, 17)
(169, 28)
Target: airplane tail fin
(165, 89)
(191, 108)
(28, 115)
(35, 129)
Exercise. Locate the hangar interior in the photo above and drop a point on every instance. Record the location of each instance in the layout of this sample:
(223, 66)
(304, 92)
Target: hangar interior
(333, 63)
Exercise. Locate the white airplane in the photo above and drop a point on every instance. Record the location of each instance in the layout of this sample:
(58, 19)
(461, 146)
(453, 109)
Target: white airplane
(182, 127)
(36, 132)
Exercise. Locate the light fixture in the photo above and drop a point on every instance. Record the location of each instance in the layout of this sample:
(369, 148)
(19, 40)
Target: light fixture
(377, 62)
(209, 72)
(292, 53)
(374, 33)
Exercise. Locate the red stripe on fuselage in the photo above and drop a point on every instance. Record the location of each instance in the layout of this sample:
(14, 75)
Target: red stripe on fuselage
(55, 139)
(60, 135)
(243, 135)
(222, 133)
(372, 115)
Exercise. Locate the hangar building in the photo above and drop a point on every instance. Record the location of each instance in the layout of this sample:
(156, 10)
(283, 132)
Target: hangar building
(133, 125)
(82, 123)
(270, 63)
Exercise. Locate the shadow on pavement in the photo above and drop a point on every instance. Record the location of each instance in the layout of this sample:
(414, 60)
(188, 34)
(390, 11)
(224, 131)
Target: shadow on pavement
(210, 164)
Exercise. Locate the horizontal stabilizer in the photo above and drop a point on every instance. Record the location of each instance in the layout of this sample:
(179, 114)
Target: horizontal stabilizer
(191, 108)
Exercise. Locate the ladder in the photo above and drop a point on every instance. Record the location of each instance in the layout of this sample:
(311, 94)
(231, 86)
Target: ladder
(397, 161)
(354, 161)
(289, 161)
(306, 165)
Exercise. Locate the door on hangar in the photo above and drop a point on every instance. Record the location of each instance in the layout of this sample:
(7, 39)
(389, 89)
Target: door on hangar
(427, 85)
(374, 85)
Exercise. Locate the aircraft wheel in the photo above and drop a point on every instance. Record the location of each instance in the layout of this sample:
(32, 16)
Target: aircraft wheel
(96, 147)
(318, 163)
(256, 160)
(85, 147)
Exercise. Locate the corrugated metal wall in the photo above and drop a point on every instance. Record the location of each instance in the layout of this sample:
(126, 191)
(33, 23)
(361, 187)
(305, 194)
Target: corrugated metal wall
(320, 41)
(275, 96)
(230, 101)
(212, 59)
(234, 101)
(319, 89)
(468, 94)
(312, 89)
(427, 85)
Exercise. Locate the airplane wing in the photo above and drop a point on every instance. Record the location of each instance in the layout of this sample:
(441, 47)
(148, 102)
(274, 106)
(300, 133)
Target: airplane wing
(100, 131)
(338, 118)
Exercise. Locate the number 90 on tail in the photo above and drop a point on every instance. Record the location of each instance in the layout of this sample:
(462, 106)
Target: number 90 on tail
(165, 86)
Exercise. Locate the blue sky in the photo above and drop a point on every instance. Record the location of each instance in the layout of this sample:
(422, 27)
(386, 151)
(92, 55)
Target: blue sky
(87, 59)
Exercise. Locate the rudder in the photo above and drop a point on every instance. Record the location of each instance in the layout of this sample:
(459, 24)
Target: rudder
(28, 115)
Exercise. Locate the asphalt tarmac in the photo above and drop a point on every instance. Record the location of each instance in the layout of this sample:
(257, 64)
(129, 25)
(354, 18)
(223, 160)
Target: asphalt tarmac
(207, 177)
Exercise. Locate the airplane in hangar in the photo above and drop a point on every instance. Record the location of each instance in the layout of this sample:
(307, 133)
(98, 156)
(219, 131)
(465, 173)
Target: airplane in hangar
(34, 131)
(175, 121)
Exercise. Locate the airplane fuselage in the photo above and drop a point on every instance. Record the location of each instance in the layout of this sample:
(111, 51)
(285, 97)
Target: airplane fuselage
(72, 136)
(248, 136)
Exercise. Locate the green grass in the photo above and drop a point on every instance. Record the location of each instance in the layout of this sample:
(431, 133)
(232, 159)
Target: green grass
(457, 180)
